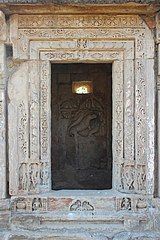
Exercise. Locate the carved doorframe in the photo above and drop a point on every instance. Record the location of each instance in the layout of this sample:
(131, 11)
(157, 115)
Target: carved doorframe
(133, 108)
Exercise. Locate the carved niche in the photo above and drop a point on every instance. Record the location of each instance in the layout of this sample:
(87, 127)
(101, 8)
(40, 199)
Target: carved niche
(130, 111)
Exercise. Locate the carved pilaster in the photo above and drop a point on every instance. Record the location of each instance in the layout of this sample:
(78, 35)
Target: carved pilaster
(158, 93)
(18, 115)
(3, 37)
(151, 123)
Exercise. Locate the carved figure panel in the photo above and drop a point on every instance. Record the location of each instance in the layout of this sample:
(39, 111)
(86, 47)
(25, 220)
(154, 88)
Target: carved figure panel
(81, 206)
(36, 204)
(128, 177)
(33, 176)
(23, 177)
(133, 177)
(126, 204)
(44, 174)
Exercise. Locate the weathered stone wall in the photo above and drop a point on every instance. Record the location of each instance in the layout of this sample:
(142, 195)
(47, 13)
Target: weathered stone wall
(128, 211)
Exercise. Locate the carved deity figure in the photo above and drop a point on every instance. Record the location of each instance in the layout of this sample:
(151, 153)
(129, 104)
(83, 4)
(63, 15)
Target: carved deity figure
(86, 206)
(21, 204)
(126, 204)
(34, 176)
(76, 206)
(36, 204)
(141, 178)
(44, 174)
(23, 177)
(128, 177)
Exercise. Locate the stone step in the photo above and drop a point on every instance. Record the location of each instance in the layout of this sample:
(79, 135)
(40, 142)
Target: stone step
(75, 220)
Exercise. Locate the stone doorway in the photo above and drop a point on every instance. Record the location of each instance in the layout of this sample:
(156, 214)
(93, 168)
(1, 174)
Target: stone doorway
(81, 129)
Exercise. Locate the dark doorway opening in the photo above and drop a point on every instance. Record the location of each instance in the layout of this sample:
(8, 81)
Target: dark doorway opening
(81, 126)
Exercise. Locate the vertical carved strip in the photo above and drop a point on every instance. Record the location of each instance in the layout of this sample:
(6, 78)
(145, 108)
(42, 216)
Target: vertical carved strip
(158, 88)
(140, 125)
(127, 167)
(117, 119)
(3, 36)
(140, 111)
(45, 127)
(34, 91)
(18, 130)
(150, 102)
(22, 131)
(2, 145)
(129, 111)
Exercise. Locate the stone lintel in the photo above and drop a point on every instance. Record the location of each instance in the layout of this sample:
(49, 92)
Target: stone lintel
(78, 1)
(62, 7)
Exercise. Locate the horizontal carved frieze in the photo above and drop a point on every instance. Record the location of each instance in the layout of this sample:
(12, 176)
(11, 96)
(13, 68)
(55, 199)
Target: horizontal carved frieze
(80, 21)
(131, 204)
(83, 44)
(71, 204)
(79, 55)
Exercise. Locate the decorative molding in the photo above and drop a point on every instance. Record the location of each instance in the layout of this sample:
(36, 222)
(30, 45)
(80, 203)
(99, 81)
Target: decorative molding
(80, 21)
(37, 47)
(34, 108)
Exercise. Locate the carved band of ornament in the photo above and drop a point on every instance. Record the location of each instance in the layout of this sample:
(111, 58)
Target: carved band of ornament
(129, 140)
(34, 128)
(83, 44)
(80, 21)
(100, 33)
(131, 204)
(34, 111)
(31, 204)
(140, 111)
(44, 110)
(110, 55)
(22, 126)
